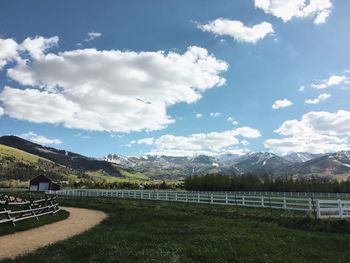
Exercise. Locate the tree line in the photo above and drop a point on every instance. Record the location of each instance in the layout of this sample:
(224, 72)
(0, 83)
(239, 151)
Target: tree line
(250, 182)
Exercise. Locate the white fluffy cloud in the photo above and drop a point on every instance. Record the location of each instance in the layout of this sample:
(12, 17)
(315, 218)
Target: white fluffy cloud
(215, 114)
(199, 115)
(8, 51)
(289, 9)
(237, 30)
(31, 136)
(204, 143)
(320, 98)
(37, 46)
(316, 132)
(1, 111)
(281, 104)
(331, 81)
(92, 35)
(109, 90)
(232, 120)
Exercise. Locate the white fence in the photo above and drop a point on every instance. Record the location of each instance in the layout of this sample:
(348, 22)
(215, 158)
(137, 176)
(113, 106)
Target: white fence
(322, 208)
(295, 194)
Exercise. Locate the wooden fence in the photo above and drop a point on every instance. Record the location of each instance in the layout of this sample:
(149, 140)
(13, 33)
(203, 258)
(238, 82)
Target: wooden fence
(321, 208)
(14, 209)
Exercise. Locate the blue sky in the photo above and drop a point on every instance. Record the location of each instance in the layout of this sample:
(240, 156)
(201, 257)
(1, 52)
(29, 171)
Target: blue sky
(150, 74)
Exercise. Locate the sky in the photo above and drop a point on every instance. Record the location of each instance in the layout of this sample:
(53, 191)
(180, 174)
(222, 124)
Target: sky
(179, 77)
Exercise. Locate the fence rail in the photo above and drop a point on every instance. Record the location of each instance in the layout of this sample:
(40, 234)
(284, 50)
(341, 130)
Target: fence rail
(13, 209)
(322, 208)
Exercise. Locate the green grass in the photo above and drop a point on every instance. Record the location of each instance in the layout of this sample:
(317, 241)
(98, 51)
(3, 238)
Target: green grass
(133, 175)
(127, 176)
(150, 231)
(6, 151)
(32, 223)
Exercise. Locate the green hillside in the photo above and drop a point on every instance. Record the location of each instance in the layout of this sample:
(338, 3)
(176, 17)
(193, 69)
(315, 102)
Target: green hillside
(17, 167)
(9, 152)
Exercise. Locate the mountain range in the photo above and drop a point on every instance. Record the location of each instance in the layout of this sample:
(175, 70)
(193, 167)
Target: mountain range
(336, 165)
(21, 159)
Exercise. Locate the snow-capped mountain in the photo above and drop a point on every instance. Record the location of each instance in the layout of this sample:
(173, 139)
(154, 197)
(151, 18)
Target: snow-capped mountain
(300, 164)
(260, 162)
(333, 164)
(300, 157)
(120, 160)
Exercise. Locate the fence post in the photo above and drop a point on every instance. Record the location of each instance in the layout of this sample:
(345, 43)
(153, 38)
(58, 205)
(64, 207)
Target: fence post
(166, 195)
(243, 200)
(310, 204)
(226, 199)
(284, 202)
(318, 209)
(175, 196)
(211, 198)
(199, 197)
(262, 201)
(340, 208)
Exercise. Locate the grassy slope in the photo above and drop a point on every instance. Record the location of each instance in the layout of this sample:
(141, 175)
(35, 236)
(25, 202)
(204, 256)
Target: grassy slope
(12, 159)
(6, 151)
(20, 165)
(127, 176)
(149, 231)
(32, 223)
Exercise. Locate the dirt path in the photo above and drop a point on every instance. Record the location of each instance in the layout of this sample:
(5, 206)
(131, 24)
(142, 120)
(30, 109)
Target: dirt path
(21, 243)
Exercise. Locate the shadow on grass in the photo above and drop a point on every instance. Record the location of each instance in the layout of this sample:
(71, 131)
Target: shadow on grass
(8, 228)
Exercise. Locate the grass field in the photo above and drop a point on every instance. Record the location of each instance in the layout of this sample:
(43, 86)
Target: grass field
(6, 151)
(32, 223)
(150, 231)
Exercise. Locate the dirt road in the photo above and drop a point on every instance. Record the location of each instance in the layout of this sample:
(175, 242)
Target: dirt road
(21, 243)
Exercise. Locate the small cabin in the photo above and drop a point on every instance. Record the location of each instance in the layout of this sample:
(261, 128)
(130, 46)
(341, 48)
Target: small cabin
(42, 183)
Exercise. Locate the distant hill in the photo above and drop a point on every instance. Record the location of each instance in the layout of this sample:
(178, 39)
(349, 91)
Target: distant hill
(333, 164)
(21, 159)
(20, 165)
(68, 159)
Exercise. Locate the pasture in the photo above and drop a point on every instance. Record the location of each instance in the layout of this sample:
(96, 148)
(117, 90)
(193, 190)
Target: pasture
(155, 231)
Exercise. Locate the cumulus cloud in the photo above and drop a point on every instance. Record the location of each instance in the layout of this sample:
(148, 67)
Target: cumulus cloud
(237, 30)
(215, 114)
(289, 9)
(146, 141)
(92, 35)
(278, 104)
(232, 120)
(331, 81)
(1, 111)
(8, 51)
(317, 132)
(204, 143)
(37, 46)
(40, 139)
(320, 98)
(199, 115)
(110, 90)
